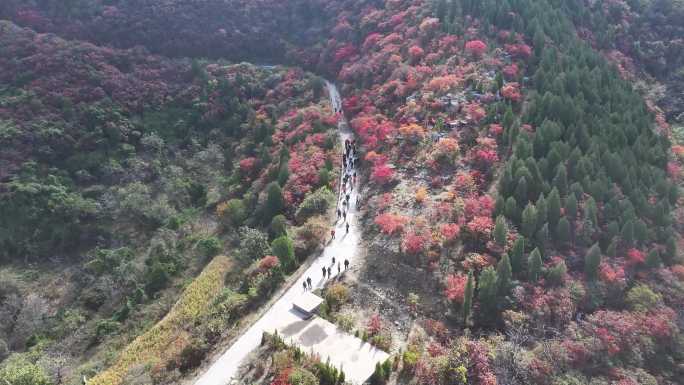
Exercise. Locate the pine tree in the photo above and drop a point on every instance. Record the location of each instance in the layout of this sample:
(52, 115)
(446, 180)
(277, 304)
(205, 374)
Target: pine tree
(571, 207)
(529, 221)
(611, 251)
(508, 118)
(534, 265)
(591, 211)
(511, 209)
(500, 231)
(468, 298)
(561, 180)
(274, 201)
(542, 236)
(487, 293)
(521, 190)
(505, 272)
(592, 260)
(517, 253)
(542, 211)
(653, 259)
(554, 208)
(563, 231)
(627, 233)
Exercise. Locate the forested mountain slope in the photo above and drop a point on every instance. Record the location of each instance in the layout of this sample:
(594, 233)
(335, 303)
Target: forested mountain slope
(523, 205)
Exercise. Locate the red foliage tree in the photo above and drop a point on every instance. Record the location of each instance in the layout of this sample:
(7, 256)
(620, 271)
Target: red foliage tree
(450, 231)
(510, 72)
(390, 223)
(416, 53)
(480, 368)
(511, 91)
(268, 262)
(476, 48)
(382, 174)
(413, 243)
(635, 257)
(345, 52)
(247, 165)
(519, 51)
(374, 325)
(481, 226)
(455, 287)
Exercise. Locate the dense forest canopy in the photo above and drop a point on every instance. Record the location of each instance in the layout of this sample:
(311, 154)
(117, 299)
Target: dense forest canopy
(521, 162)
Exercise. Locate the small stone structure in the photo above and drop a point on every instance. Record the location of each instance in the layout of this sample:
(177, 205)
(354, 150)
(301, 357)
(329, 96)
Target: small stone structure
(307, 304)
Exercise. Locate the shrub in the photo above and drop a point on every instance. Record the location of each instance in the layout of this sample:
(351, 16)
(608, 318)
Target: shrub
(410, 359)
(105, 327)
(209, 246)
(19, 371)
(317, 202)
(232, 213)
(4, 350)
(283, 248)
(192, 356)
(336, 295)
(253, 243)
(278, 226)
(313, 232)
(301, 376)
(642, 299)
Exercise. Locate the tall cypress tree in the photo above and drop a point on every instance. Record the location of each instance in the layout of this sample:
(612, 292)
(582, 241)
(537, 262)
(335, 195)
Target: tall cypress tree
(529, 221)
(592, 260)
(487, 293)
(517, 252)
(504, 271)
(554, 208)
(563, 231)
(534, 265)
(500, 231)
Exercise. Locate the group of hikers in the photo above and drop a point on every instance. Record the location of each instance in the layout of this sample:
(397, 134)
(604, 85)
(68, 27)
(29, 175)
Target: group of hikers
(327, 272)
(350, 160)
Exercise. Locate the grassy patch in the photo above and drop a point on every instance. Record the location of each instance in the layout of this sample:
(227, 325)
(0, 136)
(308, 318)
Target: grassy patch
(169, 336)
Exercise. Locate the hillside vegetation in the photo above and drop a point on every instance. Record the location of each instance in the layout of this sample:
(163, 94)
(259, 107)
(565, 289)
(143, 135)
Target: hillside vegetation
(521, 172)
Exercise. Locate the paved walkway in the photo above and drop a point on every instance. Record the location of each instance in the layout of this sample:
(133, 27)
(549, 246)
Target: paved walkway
(356, 358)
(345, 246)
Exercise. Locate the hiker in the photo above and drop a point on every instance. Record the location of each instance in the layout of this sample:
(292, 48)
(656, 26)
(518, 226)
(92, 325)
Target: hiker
(323, 268)
(338, 268)
(333, 261)
(347, 228)
(329, 273)
(304, 284)
(346, 264)
(308, 280)
(332, 232)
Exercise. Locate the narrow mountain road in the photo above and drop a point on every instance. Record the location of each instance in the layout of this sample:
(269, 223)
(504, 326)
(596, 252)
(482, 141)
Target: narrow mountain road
(344, 246)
